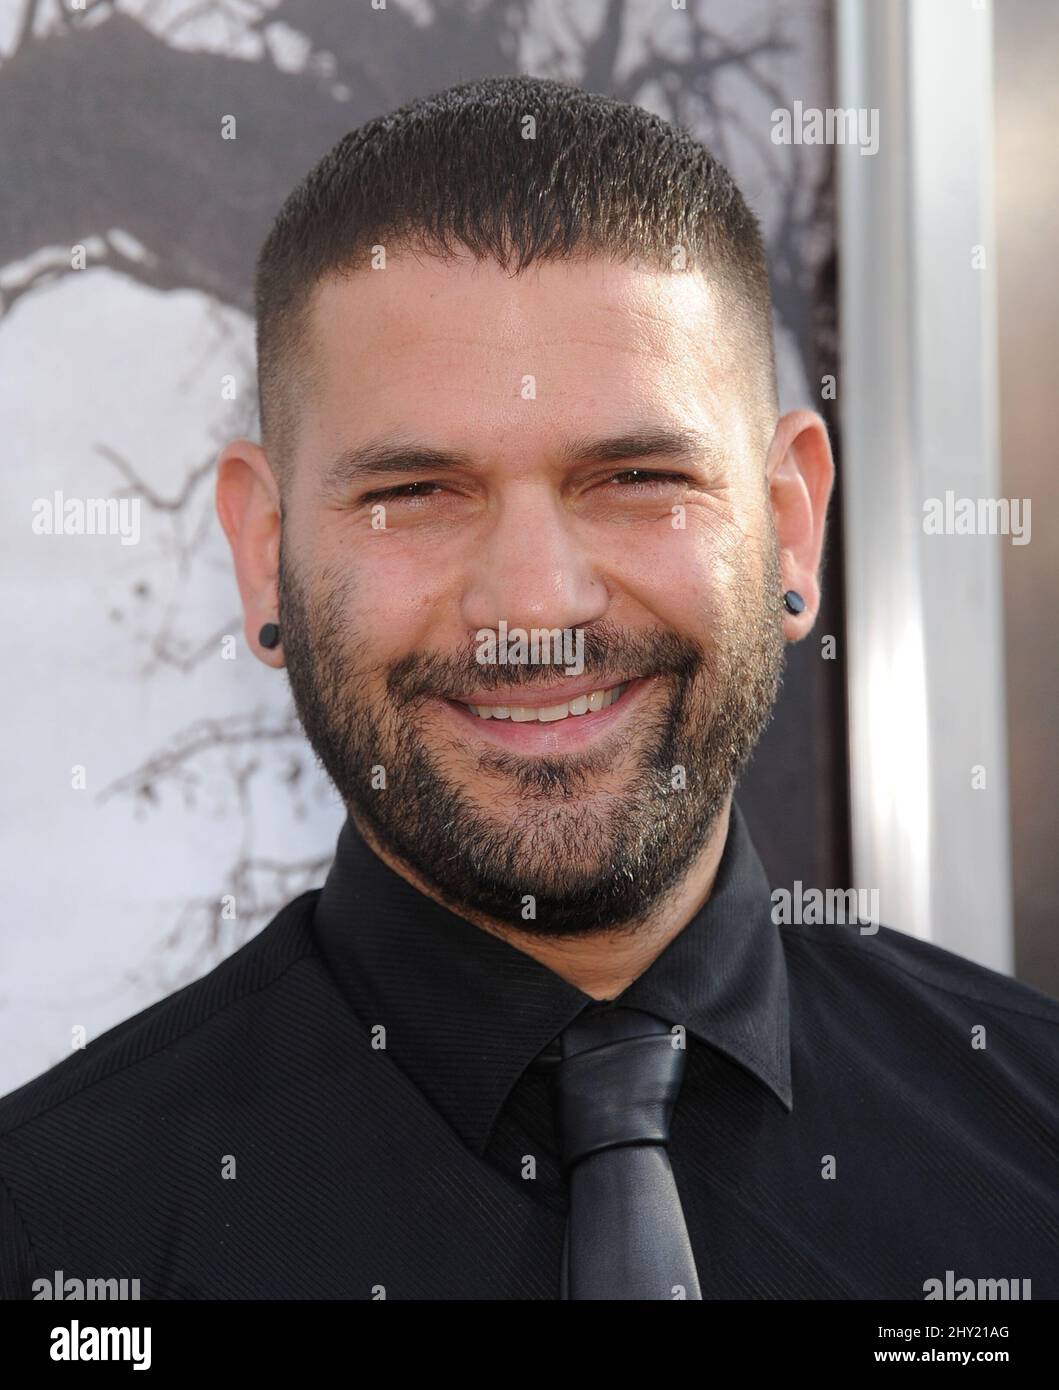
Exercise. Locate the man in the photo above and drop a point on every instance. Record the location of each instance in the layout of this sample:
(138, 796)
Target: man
(529, 537)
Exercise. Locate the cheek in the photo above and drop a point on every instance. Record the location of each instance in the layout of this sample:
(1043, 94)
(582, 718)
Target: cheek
(681, 574)
(396, 601)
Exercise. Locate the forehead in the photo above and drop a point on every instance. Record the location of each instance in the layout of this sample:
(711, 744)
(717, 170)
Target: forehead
(466, 350)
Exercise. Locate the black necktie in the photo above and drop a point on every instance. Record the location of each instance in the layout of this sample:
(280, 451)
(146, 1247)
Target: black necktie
(617, 1077)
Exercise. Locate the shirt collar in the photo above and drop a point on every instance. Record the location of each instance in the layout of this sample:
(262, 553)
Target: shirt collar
(465, 1013)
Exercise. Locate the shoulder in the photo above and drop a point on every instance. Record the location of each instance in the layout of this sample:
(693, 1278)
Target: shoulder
(904, 967)
(249, 973)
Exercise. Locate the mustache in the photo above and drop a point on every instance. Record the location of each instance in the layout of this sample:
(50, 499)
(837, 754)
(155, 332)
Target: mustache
(610, 654)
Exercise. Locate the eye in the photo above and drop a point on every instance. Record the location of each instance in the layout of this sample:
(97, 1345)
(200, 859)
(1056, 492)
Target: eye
(646, 477)
(401, 491)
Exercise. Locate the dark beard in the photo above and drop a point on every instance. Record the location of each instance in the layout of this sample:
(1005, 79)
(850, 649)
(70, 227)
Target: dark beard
(592, 861)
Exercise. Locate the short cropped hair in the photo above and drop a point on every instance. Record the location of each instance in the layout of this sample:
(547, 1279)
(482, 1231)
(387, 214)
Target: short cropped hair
(465, 170)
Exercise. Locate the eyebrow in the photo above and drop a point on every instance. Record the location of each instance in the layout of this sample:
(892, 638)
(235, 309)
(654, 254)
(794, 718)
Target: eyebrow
(359, 462)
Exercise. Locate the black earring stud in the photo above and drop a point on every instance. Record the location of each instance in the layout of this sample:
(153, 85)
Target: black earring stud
(793, 601)
(269, 635)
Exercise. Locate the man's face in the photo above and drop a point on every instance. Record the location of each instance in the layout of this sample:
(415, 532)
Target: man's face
(665, 563)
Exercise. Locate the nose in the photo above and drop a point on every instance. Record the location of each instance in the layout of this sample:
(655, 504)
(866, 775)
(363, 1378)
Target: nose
(533, 569)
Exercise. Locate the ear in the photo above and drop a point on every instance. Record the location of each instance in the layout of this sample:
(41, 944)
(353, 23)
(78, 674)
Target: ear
(800, 472)
(248, 505)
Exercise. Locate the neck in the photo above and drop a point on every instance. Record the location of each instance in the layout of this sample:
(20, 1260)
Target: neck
(606, 963)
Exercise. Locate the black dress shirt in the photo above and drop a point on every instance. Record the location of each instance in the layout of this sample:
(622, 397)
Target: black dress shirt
(362, 1072)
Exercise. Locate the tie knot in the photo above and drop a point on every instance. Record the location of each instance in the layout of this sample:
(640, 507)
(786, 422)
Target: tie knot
(617, 1081)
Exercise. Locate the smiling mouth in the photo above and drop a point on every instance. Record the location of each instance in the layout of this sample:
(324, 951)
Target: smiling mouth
(588, 702)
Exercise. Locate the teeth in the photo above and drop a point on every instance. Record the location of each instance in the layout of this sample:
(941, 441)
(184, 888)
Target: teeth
(551, 714)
